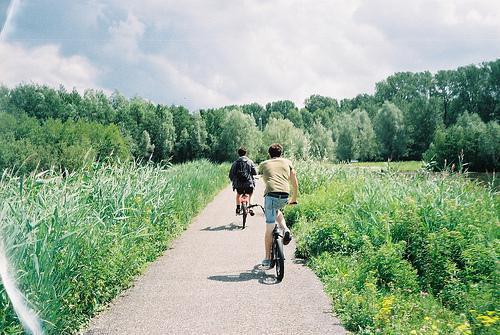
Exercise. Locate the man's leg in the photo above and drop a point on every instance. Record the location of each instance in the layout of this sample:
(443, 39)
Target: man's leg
(270, 215)
(238, 202)
(268, 239)
(280, 218)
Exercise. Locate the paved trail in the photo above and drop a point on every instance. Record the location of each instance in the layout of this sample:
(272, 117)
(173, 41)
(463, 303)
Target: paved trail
(210, 282)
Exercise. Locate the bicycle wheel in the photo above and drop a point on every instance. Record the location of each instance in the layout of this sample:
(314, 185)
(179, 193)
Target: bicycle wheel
(279, 258)
(244, 212)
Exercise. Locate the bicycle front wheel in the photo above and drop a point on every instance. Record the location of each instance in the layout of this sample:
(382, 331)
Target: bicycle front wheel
(279, 258)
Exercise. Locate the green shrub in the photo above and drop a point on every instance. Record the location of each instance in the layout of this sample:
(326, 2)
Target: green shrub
(403, 254)
(469, 141)
(391, 270)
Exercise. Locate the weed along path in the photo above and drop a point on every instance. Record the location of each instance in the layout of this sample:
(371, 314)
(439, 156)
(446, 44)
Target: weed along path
(210, 282)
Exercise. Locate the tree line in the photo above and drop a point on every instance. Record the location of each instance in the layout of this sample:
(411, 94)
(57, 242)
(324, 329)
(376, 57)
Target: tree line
(448, 117)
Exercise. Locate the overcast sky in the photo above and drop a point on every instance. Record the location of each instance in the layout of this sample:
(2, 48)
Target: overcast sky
(213, 53)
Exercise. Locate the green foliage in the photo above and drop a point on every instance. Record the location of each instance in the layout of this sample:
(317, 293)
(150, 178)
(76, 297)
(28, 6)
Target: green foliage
(321, 143)
(389, 128)
(401, 254)
(345, 143)
(406, 113)
(145, 146)
(294, 141)
(77, 242)
(317, 102)
(238, 129)
(279, 108)
(366, 146)
(421, 121)
(469, 141)
(26, 145)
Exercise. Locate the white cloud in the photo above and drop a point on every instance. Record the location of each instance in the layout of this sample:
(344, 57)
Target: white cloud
(210, 53)
(124, 37)
(187, 86)
(45, 65)
(263, 50)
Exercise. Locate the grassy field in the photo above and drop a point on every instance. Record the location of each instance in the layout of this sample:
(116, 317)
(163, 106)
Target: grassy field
(399, 253)
(407, 166)
(79, 241)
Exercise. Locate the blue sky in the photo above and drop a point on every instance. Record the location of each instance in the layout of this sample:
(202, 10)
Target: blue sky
(213, 53)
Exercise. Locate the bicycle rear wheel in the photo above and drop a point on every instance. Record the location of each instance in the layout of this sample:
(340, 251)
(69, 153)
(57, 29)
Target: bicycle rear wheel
(279, 258)
(244, 211)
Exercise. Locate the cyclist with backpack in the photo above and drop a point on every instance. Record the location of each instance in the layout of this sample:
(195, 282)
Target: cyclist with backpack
(242, 177)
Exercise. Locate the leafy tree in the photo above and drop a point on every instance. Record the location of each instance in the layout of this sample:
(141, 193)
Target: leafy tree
(295, 116)
(198, 137)
(366, 146)
(192, 136)
(95, 106)
(294, 141)
(238, 129)
(443, 89)
(326, 116)
(214, 119)
(404, 87)
(361, 101)
(37, 101)
(421, 120)
(317, 102)
(158, 122)
(146, 146)
(494, 87)
(307, 118)
(346, 140)
(321, 143)
(390, 132)
(489, 147)
(258, 112)
(469, 141)
(279, 109)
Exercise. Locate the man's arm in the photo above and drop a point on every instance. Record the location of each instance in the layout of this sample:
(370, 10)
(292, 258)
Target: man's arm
(295, 185)
(254, 170)
(231, 172)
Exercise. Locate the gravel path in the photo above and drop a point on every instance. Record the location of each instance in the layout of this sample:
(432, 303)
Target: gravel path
(210, 282)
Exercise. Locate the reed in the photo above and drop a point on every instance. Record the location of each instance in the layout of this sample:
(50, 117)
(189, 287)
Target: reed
(76, 242)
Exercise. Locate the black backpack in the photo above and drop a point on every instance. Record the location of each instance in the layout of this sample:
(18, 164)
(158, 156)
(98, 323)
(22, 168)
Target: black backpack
(243, 174)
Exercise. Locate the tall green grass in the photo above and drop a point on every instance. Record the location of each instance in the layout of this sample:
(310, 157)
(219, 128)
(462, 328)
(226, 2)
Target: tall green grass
(403, 166)
(76, 242)
(402, 254)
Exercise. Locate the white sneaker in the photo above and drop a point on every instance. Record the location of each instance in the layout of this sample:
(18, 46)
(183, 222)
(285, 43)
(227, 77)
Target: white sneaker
(266, 262)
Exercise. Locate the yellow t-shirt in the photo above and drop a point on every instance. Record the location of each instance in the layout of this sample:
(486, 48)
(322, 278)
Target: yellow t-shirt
(276, 174)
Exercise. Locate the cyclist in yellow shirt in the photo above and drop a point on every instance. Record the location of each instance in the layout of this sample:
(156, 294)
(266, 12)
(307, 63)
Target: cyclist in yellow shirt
(278, 173)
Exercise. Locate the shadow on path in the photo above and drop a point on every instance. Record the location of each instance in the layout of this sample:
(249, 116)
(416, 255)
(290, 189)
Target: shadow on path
(229, 227)
(257, 273)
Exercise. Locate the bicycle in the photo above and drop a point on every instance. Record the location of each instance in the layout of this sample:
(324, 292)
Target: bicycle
(277, 254)
(246, 208)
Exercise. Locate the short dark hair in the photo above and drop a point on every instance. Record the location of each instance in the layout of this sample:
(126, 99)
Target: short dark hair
(242, 151)
(275, 150)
